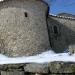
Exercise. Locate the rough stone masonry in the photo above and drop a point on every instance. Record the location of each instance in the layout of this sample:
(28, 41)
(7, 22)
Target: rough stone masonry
(23, 27)
(54, 68)
(62, 33)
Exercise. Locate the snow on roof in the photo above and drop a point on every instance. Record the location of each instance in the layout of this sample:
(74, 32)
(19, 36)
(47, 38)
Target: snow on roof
(63, 17)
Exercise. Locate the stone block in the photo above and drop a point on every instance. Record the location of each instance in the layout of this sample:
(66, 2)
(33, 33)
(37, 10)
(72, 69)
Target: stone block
(62, 67)
(36, 68)
(12, 73)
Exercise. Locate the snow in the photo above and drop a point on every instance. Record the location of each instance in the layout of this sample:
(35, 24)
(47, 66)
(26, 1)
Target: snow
(1, 0)
(45, 57)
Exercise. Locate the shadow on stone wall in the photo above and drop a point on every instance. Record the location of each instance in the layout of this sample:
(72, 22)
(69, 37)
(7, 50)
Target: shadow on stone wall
(61, 35)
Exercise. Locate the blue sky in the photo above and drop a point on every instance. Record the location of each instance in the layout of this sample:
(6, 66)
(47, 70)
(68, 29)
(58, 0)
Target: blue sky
(59, 6)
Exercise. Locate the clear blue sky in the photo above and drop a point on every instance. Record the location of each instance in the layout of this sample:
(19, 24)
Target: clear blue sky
(59, 6)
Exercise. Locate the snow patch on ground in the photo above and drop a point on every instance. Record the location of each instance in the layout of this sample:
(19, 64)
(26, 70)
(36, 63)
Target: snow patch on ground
(45, 57)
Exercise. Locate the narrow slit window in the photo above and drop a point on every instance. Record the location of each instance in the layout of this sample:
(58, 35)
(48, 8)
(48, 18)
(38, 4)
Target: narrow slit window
(26, 15)
(55, 30)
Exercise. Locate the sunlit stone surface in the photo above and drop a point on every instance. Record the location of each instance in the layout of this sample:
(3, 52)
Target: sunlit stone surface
(23, 29)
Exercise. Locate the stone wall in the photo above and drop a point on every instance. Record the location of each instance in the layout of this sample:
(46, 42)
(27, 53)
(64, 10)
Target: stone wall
(23, 29)
(53, 68)
(62, 33)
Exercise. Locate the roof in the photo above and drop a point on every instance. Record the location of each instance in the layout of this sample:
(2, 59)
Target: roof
(62, 17)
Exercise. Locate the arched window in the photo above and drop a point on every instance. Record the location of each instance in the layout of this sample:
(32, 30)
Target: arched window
(55, 30)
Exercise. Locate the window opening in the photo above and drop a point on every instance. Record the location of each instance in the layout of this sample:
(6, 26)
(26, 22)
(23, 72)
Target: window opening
(26, 15)
(55, 30)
